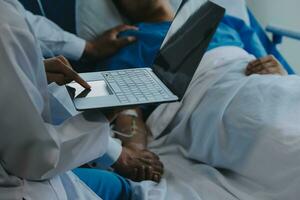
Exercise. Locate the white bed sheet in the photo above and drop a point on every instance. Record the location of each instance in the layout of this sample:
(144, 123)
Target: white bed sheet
(93, 17)
(186, 179)
(258, 143)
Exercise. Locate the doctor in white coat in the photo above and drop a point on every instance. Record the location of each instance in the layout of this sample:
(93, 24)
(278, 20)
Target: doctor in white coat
(55, 41)
(35, 155)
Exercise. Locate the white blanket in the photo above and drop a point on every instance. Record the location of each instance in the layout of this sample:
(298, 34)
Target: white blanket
(247, 127)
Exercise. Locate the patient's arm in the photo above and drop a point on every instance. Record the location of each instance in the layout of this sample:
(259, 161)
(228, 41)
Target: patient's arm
(133, 132)
(265, 65)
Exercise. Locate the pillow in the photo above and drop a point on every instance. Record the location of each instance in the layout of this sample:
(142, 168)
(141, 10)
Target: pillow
(96, 16)
(93, 17)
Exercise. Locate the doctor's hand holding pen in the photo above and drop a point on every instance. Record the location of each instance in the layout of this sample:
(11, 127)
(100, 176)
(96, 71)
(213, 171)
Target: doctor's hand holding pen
(264, 66)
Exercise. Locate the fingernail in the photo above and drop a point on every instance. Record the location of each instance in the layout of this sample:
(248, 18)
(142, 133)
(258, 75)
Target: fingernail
(131, 39)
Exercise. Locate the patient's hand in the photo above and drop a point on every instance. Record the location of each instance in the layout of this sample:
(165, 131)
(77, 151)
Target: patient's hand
(266, 65)
(107, 44)
(139, 165)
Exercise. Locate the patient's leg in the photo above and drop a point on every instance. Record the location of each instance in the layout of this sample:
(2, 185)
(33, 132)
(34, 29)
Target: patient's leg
(252, 130)
(247, 125)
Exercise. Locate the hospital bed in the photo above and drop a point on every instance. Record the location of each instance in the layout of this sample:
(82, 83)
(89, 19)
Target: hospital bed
(210, 183)
(53, 9)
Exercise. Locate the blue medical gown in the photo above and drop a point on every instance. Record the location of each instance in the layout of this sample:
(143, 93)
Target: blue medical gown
(231, 32)
(234, 32)
(141, 53)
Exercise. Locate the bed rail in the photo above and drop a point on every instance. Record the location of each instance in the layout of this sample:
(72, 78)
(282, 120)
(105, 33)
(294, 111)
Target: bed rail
(279, 33)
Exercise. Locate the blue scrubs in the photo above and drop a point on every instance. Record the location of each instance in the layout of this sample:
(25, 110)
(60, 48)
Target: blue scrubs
(107, 185)
(231, 32)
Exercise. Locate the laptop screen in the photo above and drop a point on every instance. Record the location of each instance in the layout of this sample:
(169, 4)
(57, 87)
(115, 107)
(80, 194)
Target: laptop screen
(186, 43)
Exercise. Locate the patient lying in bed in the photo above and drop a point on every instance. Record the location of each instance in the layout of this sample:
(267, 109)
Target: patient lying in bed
(248, 125)
(154, 23)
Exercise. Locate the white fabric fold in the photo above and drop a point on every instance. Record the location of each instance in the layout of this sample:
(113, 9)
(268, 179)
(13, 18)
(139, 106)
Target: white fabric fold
(234, 137)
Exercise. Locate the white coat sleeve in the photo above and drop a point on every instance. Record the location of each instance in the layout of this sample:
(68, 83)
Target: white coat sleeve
(63, 108)
(53, 40)
(29, 147)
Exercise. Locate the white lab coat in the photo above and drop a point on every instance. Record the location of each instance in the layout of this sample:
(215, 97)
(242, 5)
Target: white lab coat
(36, 156)
(54, 40)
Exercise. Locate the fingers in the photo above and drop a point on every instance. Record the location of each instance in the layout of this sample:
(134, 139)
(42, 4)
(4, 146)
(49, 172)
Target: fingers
(108, 43)
(152, 166)
(149, 173)
(146, 173)
(64, 61)
(80, 81)
(262, 60)
(139, 165)
(152, 160)
(156, 178)
(124, 41)
(253, 69)
(60, 65)
(70, 74)
(156, 165)
(259, 63)
(59, 79)
(266, 68)
(142, 173)
(135, 174)
(124, 27)
(265, 65)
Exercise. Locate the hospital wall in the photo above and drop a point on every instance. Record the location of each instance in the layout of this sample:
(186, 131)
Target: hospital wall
(284, 13)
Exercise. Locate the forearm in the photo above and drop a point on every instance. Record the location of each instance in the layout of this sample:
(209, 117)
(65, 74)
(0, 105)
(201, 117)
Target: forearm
(54, 40)
(131, 130)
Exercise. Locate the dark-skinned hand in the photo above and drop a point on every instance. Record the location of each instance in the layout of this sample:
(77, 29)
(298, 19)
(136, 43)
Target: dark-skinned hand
(59, 70)
(139, 165)
(107, 44)
(265, 65)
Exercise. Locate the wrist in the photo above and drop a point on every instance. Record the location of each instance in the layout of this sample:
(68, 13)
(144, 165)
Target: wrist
(89, 53)
(121, 159)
